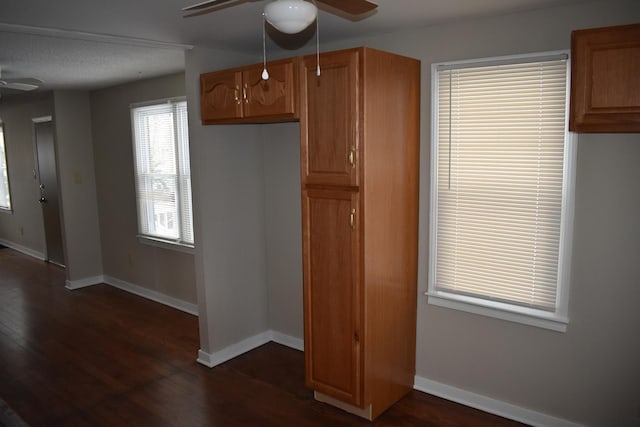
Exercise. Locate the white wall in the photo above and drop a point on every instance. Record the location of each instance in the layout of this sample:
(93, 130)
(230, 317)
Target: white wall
(587, 375)
(283, 226)
(125, 258)
(74, 149)
(228, 204)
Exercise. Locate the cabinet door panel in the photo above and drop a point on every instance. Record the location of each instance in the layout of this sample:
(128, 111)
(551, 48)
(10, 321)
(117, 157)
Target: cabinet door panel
(329, 143)
(220, 95)
(605, 88)
(332, 294)
(272, 97)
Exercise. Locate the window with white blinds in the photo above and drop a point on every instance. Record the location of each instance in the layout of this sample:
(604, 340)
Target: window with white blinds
(5, 195)
(501, 174)
(163, 175)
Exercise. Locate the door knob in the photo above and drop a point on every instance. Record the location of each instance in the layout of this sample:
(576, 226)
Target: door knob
(43, 199)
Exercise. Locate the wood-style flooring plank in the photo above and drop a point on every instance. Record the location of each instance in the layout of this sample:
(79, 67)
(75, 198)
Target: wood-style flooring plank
(99, 356)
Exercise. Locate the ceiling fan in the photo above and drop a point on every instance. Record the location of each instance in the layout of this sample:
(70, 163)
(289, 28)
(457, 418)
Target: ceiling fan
(293, 16)
(19, 84)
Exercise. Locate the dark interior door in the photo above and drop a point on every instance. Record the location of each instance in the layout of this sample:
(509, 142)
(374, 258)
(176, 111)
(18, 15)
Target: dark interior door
(49, 194)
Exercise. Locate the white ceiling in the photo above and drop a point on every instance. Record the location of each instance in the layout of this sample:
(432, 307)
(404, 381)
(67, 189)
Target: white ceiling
(80, 44)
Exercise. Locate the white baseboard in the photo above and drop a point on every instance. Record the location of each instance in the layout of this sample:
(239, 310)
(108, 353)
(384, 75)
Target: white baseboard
(206, 359)
(490, 405)
(83, 283)
(214, 359)
(435, 388)
(134, 289)
(234, 350)
(23, 249)
(117, 283)
(152, 295)
(287, 340)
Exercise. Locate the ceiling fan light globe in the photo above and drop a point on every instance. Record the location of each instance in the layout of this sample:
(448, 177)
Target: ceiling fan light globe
(290, 16)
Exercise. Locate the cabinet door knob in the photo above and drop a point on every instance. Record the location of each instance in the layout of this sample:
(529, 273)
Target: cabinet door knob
(237, 95)
(352, 157)
(244, 94)
(352, 219)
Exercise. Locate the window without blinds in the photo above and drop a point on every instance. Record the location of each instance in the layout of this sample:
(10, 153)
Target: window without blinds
(163, 176)
(499, 179)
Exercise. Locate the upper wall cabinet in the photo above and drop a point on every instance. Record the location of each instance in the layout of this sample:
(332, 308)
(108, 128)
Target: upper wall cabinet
(605, 79)
(240, 95)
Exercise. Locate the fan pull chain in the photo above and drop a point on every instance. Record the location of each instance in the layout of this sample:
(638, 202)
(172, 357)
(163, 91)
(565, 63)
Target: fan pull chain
(317, 39)
(265, 73)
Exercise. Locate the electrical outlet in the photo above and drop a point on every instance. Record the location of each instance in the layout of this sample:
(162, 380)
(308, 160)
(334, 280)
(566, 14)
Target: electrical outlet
(130, 258)
(22, 231)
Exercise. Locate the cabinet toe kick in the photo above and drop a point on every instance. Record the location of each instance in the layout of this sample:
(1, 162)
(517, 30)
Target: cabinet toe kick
(365, 412)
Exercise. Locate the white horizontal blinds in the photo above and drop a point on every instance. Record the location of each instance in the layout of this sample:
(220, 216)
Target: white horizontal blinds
(5, 198)
(161, 148)
(184, 169)
(501, 132)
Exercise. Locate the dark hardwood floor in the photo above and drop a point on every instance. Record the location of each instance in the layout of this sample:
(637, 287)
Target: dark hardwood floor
(99, 356)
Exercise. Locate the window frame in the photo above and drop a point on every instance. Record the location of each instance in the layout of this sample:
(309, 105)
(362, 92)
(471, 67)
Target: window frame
(558, 319)
(173, 244)
(4, 158)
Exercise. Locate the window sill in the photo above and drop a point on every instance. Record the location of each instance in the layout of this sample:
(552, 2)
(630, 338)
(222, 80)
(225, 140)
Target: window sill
(7, 211)
(167, 244)
(498, 310)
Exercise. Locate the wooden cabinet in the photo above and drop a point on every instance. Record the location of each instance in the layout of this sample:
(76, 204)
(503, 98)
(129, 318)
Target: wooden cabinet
(605, 79)
(359, 159)
(360, 131)
(220, 97)
(241, 95)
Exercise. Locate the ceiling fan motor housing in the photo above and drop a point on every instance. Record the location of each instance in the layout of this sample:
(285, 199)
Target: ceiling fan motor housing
(290, 16)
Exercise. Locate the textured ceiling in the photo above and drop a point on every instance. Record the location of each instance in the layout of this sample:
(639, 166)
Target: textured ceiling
(67, 63)
(85, 44)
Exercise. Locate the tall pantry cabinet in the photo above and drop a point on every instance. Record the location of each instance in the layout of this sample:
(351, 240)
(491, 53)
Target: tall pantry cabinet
(360, 130)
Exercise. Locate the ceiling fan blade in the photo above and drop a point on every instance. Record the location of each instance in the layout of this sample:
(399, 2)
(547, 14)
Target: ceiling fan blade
(352, 7)
(17, 86)
(205, 4)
